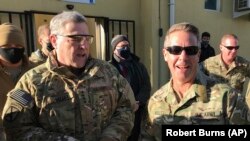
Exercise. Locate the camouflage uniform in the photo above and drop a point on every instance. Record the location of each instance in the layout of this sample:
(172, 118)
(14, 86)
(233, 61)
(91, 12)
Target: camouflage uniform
(7, 82)
(51, 103)
(204, 103)
(37, 57)
(235, 75)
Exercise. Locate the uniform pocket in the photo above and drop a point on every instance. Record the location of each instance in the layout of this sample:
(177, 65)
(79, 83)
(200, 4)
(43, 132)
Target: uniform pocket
(57, 113)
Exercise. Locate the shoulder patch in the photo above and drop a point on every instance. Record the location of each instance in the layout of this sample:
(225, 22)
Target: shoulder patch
(11, 113)
(21, 96)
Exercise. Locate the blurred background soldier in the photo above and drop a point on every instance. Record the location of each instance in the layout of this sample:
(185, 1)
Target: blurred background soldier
(206, 49)
(40, 55)
(228, 67)
(72, 96)
(13, 62)
(129, 65)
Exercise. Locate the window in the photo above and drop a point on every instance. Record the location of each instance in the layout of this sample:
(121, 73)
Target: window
(212, 5)
(81, 1)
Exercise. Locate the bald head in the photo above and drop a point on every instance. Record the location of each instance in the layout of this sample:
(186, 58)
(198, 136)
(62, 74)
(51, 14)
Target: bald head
(227, 37)
(229, 47)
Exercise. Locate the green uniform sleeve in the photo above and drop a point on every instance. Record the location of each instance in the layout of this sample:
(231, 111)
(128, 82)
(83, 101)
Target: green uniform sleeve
(19, 118)
(238, 109)
(148, 130)
(122, 120)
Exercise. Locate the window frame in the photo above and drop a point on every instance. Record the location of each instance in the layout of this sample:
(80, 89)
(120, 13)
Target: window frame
(218, 6)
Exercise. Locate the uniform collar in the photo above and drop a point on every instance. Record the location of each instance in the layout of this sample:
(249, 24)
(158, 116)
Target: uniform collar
(91, 68)
(197, 90)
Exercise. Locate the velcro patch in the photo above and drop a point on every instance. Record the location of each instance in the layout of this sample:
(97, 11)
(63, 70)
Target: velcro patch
(11, 113)
(21, 96)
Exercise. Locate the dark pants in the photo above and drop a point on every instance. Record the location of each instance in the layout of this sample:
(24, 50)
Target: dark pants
(137, 125)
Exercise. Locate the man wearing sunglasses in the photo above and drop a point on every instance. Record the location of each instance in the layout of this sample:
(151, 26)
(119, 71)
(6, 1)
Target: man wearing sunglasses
(228, 67)
(71, 97)
(190, 97)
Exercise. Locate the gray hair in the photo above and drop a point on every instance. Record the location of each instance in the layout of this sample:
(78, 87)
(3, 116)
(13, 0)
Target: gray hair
(184, 26)
(58, 22)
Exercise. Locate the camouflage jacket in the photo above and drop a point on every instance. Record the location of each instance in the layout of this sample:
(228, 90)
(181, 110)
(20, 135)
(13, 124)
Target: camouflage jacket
(204, 103)
(235, 75)
(7, 82)
(51, 103)
(37, 57)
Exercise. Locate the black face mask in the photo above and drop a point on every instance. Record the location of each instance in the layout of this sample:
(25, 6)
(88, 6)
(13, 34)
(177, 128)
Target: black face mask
(49, 47)
(204, 42)
(124, 52)
(12, 55)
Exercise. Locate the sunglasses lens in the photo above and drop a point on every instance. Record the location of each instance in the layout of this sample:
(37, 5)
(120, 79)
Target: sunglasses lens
(176, 50)
(192, 50)
(232, 47)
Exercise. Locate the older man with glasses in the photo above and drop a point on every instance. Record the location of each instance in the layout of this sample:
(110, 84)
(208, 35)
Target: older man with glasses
(190, 97)
(71, 97)
(228, 67)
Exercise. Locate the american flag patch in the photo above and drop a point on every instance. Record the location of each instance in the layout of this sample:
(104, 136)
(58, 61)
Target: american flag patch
(21, 96)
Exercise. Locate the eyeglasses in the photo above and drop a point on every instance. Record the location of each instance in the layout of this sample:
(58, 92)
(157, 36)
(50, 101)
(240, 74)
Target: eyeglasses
(176, 50)
(80, 38)
(232, 47)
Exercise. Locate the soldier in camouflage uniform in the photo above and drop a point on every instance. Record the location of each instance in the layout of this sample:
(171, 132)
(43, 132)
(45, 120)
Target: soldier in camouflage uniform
(71, 97)
(13, 62)
(190, 97)
(227, 67)
(40, 55)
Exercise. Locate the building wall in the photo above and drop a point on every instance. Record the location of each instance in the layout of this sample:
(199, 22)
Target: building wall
(217, 23)
(154, 15)
(114, 9)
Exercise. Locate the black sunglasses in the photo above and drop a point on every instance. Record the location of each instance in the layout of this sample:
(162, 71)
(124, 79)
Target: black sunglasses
(176, 50)
(232, 47)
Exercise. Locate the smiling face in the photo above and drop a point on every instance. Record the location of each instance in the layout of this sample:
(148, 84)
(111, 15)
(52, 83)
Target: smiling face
(227, 42)
(183, 67)
(71, 51)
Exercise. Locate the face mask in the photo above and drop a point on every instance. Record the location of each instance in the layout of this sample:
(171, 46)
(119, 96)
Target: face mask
(205, 42)
(124, 52)
(12, 55)
(49, 47)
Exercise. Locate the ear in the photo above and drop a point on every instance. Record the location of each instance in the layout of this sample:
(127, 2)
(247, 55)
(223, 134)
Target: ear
(40, 41)
(53, 39)
(221, 47)
(165, 54)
